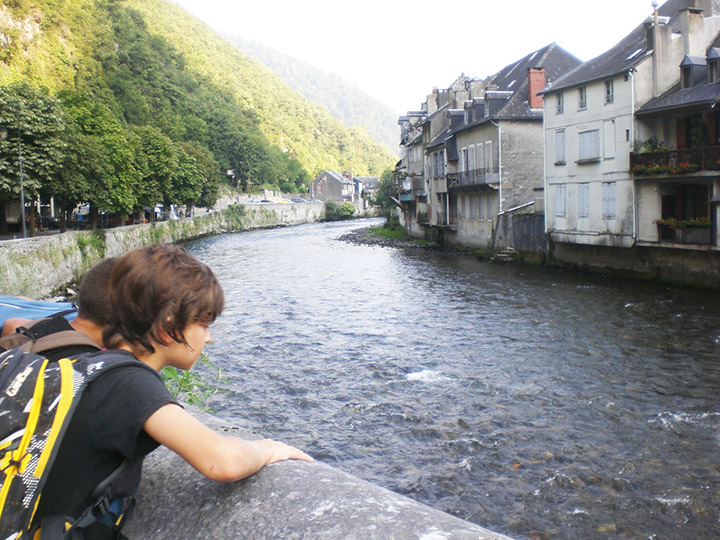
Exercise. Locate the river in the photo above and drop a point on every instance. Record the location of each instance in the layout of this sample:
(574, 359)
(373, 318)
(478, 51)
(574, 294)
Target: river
(536, 402)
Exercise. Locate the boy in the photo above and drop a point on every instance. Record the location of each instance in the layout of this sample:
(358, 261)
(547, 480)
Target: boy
(162, 301)
(92, 317)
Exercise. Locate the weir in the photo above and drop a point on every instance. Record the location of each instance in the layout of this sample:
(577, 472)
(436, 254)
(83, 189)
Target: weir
(288, 500)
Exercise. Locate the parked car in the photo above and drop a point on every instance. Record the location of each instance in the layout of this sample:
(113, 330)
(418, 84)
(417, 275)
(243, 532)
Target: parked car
(298, 200)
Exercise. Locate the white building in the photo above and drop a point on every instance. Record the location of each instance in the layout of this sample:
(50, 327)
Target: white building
(600, 115)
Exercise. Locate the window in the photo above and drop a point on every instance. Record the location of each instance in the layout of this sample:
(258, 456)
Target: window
(473, 207)
(560, 104)
(488, 157)
(481, 207)
(609, 92)
(687, 76)
(479, 158)
(714, 71)
(490, 207)
(464, 164)
(608, 200)
(583, 200)
(471, 158)
(560, 147)
(560, 200)
(582, 98)
(589, 146)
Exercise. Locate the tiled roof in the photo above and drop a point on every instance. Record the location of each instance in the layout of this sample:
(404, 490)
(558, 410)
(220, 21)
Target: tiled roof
(629, 52)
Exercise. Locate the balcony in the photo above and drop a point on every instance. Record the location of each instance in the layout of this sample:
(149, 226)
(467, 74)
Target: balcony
(674, 162)
(684, 234)
(445, 219)
(473, 178)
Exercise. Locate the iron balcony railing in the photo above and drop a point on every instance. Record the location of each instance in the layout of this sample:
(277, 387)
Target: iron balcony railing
(706, 158)
(443, 218)
(474, 177)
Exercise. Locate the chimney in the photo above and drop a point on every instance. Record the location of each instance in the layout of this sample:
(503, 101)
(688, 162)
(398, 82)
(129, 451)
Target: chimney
(536, 82)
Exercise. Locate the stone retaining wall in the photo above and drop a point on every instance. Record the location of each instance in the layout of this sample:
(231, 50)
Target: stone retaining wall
(36, 267)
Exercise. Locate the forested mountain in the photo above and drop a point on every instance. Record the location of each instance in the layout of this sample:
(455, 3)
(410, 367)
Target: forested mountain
(344, 100)
(126, 103)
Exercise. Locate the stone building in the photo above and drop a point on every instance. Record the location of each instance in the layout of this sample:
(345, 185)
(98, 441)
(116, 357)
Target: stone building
(632, 156)
(482, 147)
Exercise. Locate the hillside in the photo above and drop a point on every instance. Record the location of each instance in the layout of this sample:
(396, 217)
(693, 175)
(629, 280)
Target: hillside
(342, 99)
(154, 64)
(317, 139)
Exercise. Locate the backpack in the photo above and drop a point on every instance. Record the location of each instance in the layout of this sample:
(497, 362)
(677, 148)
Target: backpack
(37, 400)
(26, 338)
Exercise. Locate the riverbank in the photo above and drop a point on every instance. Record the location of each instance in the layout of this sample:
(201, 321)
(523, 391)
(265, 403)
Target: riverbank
(397, 238)
(37, 267)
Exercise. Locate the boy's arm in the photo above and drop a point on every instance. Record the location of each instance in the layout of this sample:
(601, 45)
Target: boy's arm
(11, 324)
(217, 456)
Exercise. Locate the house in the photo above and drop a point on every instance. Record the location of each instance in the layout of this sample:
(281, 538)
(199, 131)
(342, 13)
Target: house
(631, 148)
(332, 186)
(482, 144)
(499, 147)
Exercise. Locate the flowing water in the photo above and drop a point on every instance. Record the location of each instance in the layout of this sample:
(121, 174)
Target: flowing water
(534, 402)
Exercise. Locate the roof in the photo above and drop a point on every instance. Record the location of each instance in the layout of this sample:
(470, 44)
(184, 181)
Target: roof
(627, 54)
(701, 93)
(507, 91)
(335, 176)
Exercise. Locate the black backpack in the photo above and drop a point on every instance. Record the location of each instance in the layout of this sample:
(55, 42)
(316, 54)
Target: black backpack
(37, 401)
(26, 338)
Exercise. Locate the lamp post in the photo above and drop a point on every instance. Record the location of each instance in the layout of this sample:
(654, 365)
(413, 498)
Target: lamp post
(22, 185)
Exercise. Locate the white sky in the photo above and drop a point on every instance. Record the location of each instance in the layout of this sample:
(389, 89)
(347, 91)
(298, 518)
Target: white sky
(397, 51)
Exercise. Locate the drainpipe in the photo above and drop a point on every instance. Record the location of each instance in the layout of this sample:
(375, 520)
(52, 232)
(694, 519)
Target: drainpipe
(632, 146)
(499, 164)
(497, 221)
(545, 184)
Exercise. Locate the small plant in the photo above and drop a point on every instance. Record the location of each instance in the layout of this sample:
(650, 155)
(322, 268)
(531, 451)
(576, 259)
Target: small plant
(674, 223)
(656, 168)
(191, 387)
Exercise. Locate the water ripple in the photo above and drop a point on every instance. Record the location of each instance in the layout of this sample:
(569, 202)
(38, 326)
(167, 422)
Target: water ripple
(537, 402)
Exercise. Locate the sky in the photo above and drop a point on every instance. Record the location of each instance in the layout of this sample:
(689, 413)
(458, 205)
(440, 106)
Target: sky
(397, 51)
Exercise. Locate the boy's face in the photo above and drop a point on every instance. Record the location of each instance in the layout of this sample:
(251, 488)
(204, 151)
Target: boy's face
(184, 356)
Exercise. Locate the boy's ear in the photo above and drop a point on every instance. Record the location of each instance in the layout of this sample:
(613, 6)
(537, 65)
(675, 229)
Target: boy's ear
(163, 337)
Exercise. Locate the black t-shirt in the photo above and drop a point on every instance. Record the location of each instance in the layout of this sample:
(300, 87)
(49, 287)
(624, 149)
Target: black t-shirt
(105, 429)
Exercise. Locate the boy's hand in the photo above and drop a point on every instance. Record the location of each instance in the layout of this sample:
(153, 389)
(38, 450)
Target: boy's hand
(278, 451)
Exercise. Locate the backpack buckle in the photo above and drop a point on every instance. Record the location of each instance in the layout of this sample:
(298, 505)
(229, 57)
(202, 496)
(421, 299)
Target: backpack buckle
(101, 506)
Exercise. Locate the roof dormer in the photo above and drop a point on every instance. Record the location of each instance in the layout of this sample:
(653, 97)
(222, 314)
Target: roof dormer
(713, 65)
(693, 70)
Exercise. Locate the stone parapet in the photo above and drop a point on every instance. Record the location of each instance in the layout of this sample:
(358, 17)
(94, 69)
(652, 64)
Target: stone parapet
(290, 500)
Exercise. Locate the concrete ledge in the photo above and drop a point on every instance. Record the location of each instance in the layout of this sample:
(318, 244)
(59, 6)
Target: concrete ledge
(289, 500)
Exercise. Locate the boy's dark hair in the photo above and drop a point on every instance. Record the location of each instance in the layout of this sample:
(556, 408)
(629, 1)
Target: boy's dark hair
(159, 287)
(93, 301)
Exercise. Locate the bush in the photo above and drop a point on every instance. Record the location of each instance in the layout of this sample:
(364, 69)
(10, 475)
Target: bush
(337, 212)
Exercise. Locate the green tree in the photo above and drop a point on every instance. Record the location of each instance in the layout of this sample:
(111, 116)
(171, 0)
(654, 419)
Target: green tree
(32, 124)
(386, 188)
(104, 171)
(157, 161)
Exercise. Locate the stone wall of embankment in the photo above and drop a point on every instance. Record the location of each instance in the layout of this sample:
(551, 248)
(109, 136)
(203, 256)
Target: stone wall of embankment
(36, 267)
